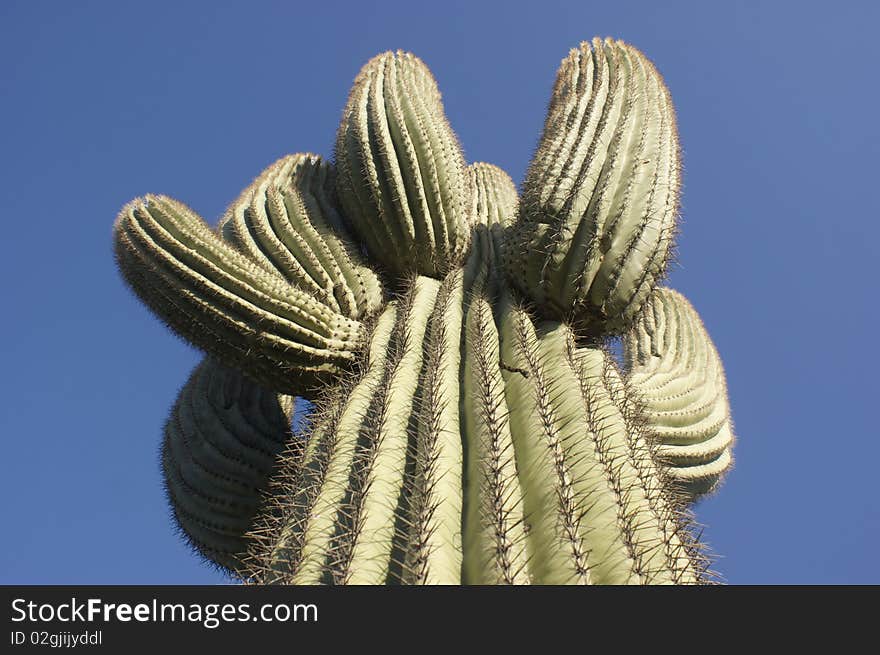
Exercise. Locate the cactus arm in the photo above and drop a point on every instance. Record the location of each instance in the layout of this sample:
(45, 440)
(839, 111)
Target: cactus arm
(204, 288)
(600, 197)
(368, 198)
(252, 224)
(588, 193)
(408, 169)
(441, 162)
(495, 197)
(675, 370)
(286, 220)
(402, 180)
(641, 219)
(357, 278)
(220, 445)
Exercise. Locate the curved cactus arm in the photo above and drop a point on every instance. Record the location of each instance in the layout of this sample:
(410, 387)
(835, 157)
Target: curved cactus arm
(221, 443)
(235, 308)
(676, 371)
(401, 172)
(600, 197)
(288, 220)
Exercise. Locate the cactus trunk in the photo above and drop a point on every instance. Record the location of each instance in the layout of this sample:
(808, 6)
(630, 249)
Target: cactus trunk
(477, 446)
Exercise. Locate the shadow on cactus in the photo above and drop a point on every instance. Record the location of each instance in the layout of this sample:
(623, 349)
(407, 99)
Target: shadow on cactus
(469, 424)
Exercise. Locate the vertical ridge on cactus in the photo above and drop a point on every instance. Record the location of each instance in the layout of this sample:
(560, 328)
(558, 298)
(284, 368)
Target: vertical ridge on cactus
(494, 194)
(433, 550)
(494, 539)
(468, 425)
(298, 526)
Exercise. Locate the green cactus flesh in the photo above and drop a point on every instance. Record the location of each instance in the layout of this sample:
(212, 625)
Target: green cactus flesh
(469, 424)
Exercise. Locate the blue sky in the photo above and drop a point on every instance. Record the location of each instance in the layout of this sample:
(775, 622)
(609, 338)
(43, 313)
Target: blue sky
(101, 102)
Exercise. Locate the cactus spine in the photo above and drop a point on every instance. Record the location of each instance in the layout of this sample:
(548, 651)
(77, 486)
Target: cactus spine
(469, 426)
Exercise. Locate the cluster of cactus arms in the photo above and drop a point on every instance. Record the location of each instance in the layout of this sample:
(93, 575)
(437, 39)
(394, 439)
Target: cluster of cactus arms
(468, 422)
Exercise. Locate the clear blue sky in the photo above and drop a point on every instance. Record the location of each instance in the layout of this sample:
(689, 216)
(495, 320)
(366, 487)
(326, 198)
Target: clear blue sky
(100, 102)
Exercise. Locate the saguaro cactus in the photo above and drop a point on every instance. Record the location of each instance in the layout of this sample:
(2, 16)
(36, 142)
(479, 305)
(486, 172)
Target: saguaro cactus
(469, 424)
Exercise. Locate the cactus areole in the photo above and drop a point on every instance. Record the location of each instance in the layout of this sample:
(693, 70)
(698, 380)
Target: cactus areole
(469, 424)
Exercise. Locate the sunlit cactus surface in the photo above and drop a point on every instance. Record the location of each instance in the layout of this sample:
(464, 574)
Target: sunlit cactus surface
(446, 344)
